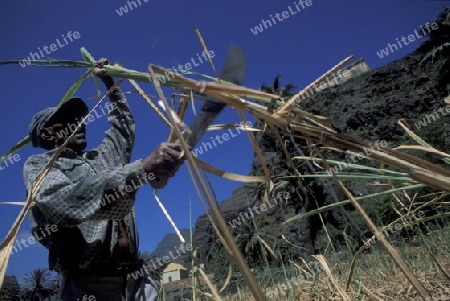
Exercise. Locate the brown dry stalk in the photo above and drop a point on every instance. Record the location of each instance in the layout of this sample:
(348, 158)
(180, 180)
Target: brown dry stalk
(6, 246)
(367, 291)
(260, 157)
(227, 280)
(212, 87)
(149, 101)
(210, 285)
(210, 218)
(235, 254)
(202, 42)
(295, 100)
(386, 245)
(228, 175)
(181, 111)
(321, 259)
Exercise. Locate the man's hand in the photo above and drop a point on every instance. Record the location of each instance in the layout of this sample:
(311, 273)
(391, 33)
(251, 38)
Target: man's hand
(100, 72)
(165, 161)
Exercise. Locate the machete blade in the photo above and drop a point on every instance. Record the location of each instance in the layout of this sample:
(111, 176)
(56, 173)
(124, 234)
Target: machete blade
(234, 71)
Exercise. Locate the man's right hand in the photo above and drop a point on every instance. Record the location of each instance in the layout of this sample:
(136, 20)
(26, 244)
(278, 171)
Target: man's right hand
(165, 161)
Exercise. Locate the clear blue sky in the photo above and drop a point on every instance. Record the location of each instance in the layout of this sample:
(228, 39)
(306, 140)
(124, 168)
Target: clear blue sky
(301, 47)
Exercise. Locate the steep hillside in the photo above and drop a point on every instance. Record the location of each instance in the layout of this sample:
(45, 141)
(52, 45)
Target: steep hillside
(367, 107)
(170, 244)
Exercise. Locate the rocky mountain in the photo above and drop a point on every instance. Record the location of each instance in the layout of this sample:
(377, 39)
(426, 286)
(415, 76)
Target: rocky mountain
(170, 244)
(368, 107)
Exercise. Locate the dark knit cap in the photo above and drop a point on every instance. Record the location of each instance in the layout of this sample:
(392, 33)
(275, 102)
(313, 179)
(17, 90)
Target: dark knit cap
(74, 107)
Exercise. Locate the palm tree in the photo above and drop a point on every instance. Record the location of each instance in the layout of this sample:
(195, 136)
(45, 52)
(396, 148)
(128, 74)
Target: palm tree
(443, 29)
(439, 37)
(10, 290)
(39, 286)
(276, 89)
(249, 241)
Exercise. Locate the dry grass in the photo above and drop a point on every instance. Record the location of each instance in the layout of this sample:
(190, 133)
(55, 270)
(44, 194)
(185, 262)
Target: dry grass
(378, 278)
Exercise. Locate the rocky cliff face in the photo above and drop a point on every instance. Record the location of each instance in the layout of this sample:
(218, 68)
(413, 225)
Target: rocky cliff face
(169, 246)
(367, 107)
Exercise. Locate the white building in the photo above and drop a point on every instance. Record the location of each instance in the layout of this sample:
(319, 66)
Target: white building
(346, 73)
(174, 272)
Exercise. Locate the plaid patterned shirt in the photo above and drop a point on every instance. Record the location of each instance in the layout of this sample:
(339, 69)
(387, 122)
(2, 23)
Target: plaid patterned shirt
(71, 195)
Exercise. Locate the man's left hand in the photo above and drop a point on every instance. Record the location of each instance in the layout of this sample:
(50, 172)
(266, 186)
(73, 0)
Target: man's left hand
(100, 72)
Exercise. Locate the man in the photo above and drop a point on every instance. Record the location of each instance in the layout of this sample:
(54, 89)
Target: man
(95, 247)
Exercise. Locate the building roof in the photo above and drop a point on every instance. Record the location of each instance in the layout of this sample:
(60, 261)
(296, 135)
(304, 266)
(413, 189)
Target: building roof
(174, 266)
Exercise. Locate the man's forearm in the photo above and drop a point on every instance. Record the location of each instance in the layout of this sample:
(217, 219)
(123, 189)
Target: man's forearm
(120, 137)
(108, 81)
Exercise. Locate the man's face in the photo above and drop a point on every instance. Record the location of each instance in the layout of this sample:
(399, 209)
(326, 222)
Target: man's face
(78, 142)
(61, 129)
